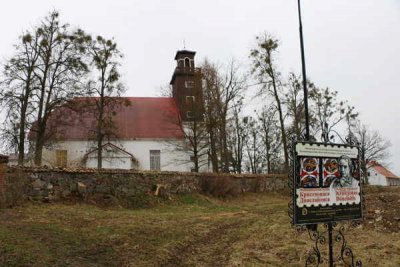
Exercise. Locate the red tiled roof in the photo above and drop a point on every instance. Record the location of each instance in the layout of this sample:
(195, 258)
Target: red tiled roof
(382, 170)
(137, 117)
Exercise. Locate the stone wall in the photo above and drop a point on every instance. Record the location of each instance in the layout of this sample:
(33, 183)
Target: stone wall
(3, 170)
(128, 187)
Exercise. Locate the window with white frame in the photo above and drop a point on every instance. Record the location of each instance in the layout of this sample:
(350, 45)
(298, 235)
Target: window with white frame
(189, 84)
(188, 62)
(190, 99)
(155, 160)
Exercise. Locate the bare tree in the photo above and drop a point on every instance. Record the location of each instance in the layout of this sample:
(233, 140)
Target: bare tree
(253, 144)
(374, 148)
(17, 86)
(266, 71)
(212, 103)
(294, 103)
(51, 74)
(104, 59)
(237, 137)
(329, 112)
(270, 135)
(221, 90)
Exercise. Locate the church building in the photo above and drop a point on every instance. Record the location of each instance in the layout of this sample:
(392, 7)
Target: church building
(149, 131)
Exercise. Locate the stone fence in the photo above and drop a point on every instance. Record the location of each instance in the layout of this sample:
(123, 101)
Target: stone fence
(127, 187)
(3, 169)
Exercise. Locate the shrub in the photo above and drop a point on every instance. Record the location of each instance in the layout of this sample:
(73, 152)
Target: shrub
(219, 186)
(14, 189)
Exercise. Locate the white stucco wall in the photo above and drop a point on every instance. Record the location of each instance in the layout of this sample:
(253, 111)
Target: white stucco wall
(111, 163)
(172, 156)
(375, 178)
(112, 159)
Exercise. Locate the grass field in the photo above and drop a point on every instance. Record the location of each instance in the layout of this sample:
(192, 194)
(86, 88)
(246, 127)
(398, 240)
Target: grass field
(192, 230)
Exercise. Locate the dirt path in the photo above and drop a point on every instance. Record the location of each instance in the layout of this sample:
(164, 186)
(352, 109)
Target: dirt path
(212, 249)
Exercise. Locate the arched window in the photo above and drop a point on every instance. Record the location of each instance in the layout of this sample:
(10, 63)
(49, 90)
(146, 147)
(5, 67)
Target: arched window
(187, 63)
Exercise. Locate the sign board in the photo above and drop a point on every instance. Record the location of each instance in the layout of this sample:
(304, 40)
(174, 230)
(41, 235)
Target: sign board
(326, 183)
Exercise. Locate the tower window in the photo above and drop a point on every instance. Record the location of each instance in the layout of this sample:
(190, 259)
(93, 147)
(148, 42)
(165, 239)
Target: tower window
(190, 100)
(187, 63)
(189, 84)
(189, 114)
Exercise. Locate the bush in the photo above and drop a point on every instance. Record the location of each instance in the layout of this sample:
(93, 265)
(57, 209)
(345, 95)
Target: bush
(14, 189)
(219, 186)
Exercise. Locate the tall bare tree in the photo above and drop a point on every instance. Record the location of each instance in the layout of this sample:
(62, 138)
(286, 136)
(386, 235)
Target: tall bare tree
(270, 135)
(105, 60)
(221, 87)
(17, 87)
(253, 144)
(59, 72)
(212, 102)
(237, 136)
(266, 71)
(329, 112)
(294, 103)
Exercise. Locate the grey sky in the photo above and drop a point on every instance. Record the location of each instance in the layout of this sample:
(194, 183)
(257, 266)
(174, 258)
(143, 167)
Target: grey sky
(351, 46)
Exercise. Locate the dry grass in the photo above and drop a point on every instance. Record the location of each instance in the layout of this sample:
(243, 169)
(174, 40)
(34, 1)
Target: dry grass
(192, 230)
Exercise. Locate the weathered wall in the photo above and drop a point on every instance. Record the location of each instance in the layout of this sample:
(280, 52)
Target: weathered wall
(3, 169)
(128, 186)
(172, 158)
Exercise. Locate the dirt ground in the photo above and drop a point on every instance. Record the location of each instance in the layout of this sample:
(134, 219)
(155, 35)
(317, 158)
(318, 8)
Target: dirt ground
(191, 230)
(382, 209)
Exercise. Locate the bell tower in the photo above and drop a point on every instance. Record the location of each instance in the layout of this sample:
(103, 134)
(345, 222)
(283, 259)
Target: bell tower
(186, 87)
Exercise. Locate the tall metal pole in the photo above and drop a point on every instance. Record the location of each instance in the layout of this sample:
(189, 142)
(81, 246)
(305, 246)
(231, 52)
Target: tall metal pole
(303, 66)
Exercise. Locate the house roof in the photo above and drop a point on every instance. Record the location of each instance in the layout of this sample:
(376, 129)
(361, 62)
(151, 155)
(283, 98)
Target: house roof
(187, 52)
(383, 171)
(133, 117)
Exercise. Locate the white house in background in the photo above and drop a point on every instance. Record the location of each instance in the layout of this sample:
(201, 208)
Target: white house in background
(379, 175)
(149, 130)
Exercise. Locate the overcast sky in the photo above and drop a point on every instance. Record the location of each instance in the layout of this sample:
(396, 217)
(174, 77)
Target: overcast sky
(351, 46)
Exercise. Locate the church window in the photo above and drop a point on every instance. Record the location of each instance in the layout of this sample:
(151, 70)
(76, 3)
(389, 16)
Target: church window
(189, 115)
(61, 158)
(190, 100)
(189, 84)
(187, 63)
(155, 160)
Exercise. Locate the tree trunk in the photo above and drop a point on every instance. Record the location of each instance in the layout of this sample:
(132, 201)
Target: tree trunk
(39, 148)
(99, 136)
(213, 152)
(281, 122)
(21, 141)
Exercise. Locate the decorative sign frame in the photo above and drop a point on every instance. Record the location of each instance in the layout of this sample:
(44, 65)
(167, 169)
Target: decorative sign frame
(326, 183)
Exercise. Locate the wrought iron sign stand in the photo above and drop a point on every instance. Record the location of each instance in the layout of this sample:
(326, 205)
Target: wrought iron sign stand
(312, 174)
(314, 181)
